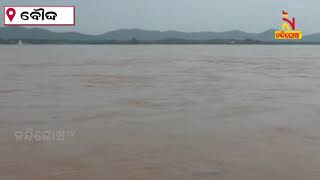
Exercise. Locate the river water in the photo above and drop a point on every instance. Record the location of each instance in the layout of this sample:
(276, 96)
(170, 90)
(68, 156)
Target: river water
(160, 112)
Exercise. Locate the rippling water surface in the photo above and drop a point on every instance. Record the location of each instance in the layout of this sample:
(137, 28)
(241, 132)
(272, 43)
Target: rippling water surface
(160, 112)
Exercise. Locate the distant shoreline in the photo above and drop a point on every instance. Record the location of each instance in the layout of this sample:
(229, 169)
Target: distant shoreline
(12, 35)
(160, 42)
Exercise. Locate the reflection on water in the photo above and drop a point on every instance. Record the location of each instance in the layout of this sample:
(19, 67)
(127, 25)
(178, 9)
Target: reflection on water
(161, 112)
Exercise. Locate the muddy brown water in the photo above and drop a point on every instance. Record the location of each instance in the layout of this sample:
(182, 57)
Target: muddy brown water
(161, 112)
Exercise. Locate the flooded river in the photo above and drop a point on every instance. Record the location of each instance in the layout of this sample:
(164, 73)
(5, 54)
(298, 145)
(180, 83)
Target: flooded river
(160, 112)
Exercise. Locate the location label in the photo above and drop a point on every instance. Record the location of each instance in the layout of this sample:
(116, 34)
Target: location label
(11, 12)
(39, 15)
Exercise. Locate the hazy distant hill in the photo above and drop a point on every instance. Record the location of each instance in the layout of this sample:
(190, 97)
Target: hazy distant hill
(38, 33)
(312, 38)
(21, 33)
(265, 36)
(127, 34)
(144, 35)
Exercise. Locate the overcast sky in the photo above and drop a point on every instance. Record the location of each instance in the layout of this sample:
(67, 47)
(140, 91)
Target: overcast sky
(99, 16)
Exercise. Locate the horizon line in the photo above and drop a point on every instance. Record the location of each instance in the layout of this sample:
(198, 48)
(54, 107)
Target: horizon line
(84, 33)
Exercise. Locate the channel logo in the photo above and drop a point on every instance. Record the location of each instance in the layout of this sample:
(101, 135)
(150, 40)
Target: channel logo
(39, 15)
(288, 31)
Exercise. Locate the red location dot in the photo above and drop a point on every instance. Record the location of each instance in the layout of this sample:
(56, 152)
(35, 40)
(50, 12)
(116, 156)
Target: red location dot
(11, 13)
